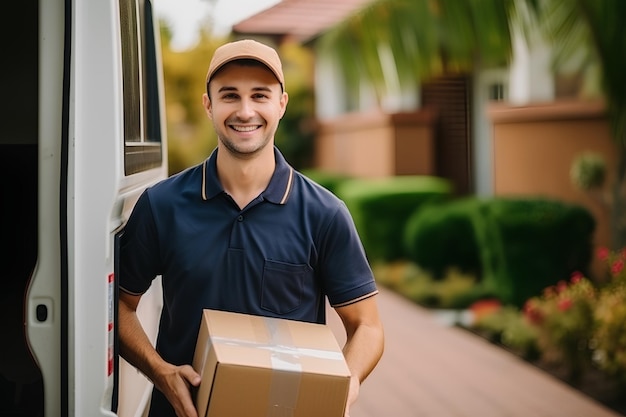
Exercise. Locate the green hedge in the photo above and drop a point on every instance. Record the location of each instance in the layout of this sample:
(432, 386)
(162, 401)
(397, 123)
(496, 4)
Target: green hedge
(441, 236)
(380, 209)
(520, 246)
(328, 180)
(540, 243)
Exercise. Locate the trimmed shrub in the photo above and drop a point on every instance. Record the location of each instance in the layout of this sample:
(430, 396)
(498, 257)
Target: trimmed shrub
(531, 244)
(518, 246)
(441, 236)
(381, 207)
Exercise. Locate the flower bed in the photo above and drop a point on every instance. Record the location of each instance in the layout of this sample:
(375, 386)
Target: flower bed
(577, 330)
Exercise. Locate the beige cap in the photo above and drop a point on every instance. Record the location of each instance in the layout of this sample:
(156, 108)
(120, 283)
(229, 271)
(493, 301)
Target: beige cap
(246, 49)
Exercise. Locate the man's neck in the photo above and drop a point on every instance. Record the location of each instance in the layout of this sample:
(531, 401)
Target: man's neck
(245, 179)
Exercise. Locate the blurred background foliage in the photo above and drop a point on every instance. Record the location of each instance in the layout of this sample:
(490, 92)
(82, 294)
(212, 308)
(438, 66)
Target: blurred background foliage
(422, 38)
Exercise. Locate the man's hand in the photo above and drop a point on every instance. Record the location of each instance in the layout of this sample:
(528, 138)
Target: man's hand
(175, 383)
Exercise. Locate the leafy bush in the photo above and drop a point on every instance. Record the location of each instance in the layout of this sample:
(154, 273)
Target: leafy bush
(564, 318)
(406, 278)
(610, 315)
(588, 171)
(610, 335)
(381, 208)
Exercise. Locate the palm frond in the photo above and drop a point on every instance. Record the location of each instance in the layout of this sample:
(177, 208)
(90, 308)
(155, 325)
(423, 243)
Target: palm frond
(422, 38)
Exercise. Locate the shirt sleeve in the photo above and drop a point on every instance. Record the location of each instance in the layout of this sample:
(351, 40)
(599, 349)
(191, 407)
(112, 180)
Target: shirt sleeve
(345, 270)
(139, 249)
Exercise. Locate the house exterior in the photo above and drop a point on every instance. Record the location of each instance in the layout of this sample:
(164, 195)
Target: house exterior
(511, 131)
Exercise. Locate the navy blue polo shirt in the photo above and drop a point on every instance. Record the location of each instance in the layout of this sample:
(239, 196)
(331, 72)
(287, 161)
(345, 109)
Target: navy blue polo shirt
(280, 256)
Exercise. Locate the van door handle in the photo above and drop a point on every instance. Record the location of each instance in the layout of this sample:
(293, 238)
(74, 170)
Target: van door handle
(41, 312)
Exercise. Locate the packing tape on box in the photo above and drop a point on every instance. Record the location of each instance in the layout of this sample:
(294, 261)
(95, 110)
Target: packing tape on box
(287, 358)
(285, 386)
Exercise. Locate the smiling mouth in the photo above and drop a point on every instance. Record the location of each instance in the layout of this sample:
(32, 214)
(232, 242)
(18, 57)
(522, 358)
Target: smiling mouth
(244, 129)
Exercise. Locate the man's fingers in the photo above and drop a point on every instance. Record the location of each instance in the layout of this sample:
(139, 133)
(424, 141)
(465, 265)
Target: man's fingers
(190, 375)
(174, 383)
(182, 401)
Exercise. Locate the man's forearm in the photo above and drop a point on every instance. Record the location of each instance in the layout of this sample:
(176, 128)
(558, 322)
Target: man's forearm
(363, 350)
(135, 346)
(365, 337)
(173, 381)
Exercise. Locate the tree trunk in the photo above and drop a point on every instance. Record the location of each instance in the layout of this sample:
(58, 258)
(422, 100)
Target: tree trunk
(618, 213)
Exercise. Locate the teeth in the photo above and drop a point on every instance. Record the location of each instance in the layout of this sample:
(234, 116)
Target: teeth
(244, 128)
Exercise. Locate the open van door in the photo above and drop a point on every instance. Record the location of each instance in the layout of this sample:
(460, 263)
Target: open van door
(83, 135)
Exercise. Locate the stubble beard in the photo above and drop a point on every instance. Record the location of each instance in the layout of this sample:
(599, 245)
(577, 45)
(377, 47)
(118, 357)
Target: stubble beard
(243, 152)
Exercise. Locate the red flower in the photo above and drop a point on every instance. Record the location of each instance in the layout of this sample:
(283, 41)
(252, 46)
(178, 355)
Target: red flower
(485, 307)
(617, 267)
(576, 277)
(533, 314)
(549, 292)
(565, 304)
(602, 253)
(561, 286)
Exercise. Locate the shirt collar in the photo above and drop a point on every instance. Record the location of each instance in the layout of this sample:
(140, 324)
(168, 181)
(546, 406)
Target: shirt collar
(277, 191)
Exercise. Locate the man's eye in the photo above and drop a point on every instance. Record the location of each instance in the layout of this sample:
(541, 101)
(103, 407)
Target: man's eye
(229, 96)
(260, 96)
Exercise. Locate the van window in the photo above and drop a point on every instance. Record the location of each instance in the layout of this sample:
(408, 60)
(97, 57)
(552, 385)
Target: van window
(142, 128)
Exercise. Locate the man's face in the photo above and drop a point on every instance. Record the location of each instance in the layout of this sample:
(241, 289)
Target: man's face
(246, 103)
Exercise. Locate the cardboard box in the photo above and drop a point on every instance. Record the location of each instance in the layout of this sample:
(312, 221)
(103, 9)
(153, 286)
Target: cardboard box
(254, 366)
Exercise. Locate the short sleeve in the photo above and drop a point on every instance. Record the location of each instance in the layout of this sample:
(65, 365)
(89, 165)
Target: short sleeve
(139, 249)
(345, 271)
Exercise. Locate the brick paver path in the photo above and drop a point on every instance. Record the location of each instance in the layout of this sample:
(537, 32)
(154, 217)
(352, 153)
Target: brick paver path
(433, 370)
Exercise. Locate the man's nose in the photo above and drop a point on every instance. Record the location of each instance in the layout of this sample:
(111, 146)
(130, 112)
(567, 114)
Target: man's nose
(246, 110)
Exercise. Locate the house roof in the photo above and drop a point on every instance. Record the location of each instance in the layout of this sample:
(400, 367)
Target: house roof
(300, 19)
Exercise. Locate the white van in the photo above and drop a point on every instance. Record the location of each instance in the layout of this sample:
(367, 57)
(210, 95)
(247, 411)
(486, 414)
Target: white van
(82, 135)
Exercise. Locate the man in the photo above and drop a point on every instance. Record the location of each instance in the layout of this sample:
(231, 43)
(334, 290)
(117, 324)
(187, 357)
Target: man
(241, 232)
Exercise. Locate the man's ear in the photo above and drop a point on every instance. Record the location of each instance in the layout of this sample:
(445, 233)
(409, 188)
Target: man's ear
(283, 104)
(206, 103)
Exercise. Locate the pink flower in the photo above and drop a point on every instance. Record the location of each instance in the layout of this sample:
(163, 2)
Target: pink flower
(564, 304)
(603, 253)
(561, 286)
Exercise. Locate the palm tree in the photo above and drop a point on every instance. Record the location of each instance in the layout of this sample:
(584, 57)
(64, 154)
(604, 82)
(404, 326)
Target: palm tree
(422, 38)
(593, 29)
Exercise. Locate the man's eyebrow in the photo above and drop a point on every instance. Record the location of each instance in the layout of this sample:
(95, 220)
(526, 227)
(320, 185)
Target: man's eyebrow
(262, 88)
(231, 88)
(226, 88)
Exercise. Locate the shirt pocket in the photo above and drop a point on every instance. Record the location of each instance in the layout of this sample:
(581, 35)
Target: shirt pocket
(283, 286)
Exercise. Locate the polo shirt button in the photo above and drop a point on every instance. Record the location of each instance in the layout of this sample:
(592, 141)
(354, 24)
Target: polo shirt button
(240, 218)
